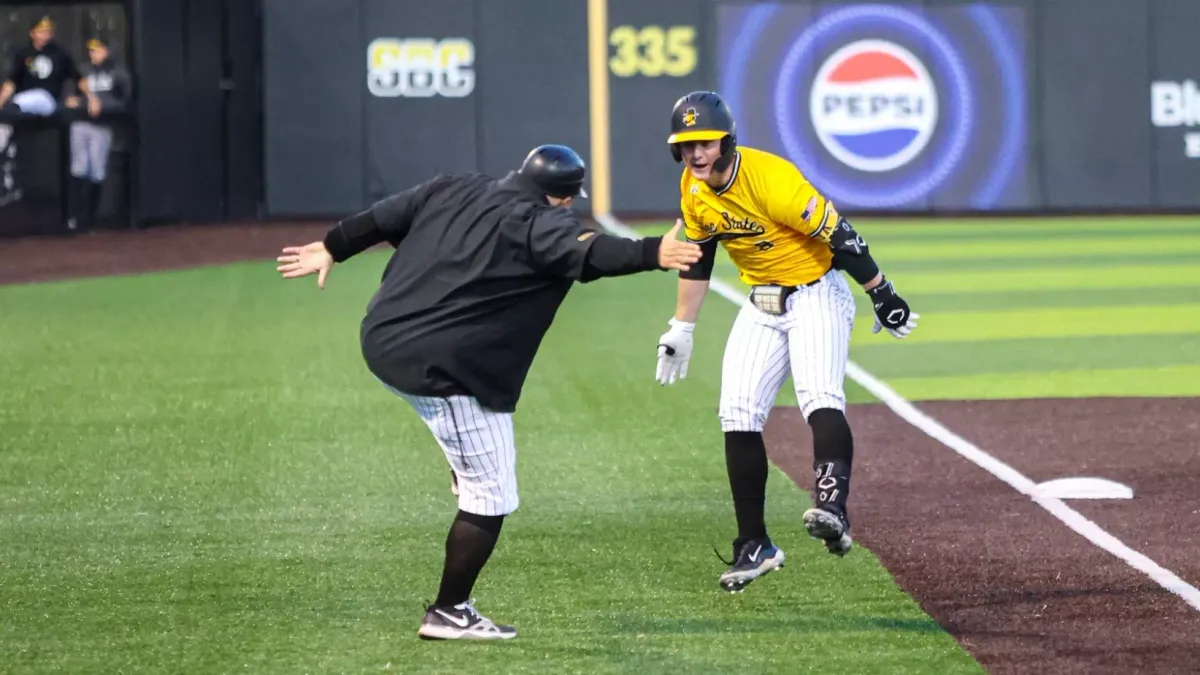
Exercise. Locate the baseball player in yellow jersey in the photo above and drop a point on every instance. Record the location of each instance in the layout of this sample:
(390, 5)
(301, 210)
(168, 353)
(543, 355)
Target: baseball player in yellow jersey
(789, 243)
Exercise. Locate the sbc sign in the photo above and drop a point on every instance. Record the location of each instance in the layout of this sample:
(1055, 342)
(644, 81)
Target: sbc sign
(420, 67)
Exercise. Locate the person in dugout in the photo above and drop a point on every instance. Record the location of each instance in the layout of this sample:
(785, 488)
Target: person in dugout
(33, 85)
(108, 92)
(34, 81)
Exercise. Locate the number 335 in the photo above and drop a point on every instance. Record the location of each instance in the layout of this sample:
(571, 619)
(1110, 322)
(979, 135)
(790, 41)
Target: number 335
(653, 51)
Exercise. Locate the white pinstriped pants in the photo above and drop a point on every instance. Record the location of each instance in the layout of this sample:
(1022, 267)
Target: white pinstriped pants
(479, 446)
(810, 341)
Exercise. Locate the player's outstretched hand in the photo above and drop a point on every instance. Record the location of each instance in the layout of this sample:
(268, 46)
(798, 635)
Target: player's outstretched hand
(674, 254)
(301, 261)
(674, 351)
(891, 311)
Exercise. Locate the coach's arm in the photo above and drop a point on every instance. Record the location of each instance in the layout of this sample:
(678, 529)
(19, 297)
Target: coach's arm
(560, 245)
(387, 220)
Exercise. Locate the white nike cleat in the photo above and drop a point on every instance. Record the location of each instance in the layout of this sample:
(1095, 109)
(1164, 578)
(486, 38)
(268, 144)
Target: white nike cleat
(461, 622)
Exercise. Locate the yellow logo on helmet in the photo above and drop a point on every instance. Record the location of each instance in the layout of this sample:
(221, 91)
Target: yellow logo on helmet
(689, 117)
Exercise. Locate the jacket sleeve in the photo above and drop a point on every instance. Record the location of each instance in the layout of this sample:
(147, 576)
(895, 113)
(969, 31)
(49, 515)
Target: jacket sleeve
(117, 100)
(388, 219)
(15, 66)
(560, 245)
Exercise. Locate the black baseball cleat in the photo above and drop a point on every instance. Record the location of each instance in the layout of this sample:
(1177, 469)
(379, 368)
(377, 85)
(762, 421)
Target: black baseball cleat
(461, 622)
(752, 560)
(830, 527)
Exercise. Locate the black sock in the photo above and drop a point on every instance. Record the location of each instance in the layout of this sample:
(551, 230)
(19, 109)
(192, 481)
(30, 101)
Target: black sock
(746, 462)
(833, 457)
(468, 547)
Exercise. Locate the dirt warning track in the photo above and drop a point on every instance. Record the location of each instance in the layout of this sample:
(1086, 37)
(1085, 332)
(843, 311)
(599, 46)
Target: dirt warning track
(1018, 588)
(49, 258)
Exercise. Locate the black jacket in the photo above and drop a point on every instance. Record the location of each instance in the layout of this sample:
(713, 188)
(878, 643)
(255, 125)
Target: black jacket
(479, 270)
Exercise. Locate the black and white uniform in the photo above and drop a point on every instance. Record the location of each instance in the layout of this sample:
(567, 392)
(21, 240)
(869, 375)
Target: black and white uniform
(38, 76)
(479, 270)
(91, 139)
(810, 342)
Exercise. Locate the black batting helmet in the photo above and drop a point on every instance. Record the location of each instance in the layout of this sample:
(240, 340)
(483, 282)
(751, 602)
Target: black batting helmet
(556, 169)
(702, 116)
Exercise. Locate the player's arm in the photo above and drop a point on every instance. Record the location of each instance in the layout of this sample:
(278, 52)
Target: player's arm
(387, 220)
(675, 346)
(693, 283)
(560, 245)
(800, 206)
(10, 79)
(852, 254)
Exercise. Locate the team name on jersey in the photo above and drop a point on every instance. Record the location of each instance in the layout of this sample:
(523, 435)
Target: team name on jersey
(731, 227)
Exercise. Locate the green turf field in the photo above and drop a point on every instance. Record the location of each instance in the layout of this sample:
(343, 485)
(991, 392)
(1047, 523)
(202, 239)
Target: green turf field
(199, 475)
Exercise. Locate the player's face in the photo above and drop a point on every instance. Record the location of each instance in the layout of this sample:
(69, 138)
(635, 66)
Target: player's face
(97, 55)
(40, 37)
(700, 156)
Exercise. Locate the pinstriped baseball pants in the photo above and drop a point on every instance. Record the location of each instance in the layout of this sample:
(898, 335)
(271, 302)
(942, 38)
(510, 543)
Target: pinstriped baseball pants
(810, 341)
(478, 444)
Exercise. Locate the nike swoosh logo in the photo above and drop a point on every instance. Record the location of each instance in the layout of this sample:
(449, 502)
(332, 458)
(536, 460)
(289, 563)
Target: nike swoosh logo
(754, 558)
(460, 622)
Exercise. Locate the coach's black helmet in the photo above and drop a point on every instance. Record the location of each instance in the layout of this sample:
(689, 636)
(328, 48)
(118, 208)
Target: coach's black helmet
(556, 169)
(703, 116)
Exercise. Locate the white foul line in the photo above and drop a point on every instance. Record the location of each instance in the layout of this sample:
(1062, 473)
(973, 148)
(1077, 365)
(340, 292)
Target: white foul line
(1015, 479)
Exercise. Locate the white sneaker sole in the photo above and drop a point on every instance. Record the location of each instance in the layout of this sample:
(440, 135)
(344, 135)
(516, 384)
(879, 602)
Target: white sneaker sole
(825, 526)
(450, 633)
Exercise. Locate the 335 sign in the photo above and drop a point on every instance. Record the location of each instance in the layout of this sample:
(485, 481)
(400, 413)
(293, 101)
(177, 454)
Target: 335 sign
(652, 51)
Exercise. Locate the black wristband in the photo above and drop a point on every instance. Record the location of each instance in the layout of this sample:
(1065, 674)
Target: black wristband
(883, 291)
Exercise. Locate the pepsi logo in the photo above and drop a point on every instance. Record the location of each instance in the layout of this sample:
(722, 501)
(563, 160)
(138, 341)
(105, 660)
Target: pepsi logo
(873, 105)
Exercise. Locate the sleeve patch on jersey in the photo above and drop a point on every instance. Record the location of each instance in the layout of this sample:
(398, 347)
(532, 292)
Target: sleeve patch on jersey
(828, 222)
(808, 210)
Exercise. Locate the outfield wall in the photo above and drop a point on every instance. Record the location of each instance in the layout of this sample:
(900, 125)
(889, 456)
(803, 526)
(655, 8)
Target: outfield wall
(914, 107)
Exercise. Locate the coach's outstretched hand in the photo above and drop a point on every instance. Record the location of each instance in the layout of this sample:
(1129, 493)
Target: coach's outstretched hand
(891, 311)
(301, 261)
(674, 254)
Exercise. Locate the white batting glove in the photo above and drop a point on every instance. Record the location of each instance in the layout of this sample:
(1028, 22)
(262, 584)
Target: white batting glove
(674, 351)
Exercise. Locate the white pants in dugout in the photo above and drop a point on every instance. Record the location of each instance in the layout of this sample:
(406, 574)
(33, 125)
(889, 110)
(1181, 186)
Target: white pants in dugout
(810, 341)
(479, 445)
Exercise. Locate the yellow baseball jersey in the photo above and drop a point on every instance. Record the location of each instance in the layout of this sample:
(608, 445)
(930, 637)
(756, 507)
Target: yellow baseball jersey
(773, 223)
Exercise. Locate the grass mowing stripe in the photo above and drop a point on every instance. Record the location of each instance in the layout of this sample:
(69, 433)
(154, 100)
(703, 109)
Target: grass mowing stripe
(1097, 261)
(1050, 354)
(1001, 281)
(1051, 322)
(1171, 281)
(1160, 381)
(1126, 249)
(1162, 296)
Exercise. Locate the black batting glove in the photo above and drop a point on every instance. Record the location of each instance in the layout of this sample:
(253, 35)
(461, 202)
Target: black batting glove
(891, 311)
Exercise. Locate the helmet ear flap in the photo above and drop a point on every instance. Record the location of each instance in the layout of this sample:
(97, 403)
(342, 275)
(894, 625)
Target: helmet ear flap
(727, 143)
(676, 153)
